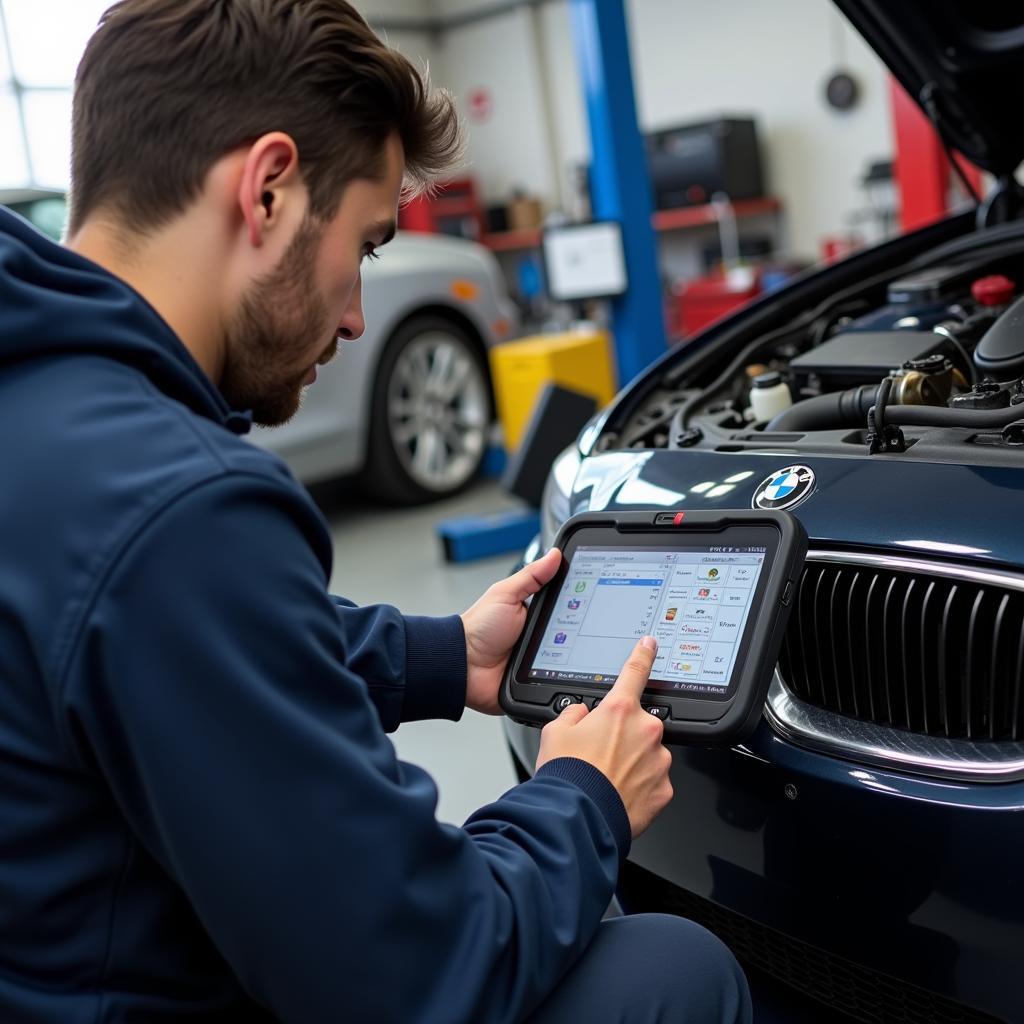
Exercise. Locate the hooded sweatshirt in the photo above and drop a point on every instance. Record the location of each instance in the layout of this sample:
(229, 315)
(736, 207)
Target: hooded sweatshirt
(201, 815)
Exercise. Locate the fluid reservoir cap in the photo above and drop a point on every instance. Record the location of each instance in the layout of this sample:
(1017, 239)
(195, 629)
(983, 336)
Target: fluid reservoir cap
(769, 395)
(994, 290)
(927, 364)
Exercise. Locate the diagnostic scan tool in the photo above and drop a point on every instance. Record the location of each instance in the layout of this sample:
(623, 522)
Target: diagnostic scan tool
(713, 588)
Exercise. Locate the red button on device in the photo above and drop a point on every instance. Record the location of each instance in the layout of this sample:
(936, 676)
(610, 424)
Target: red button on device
(679, 518)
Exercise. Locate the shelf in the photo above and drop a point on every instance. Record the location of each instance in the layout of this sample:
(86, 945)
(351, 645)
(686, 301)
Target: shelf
(663, 220)
(507, 241)
(700, 216)
(454, 206)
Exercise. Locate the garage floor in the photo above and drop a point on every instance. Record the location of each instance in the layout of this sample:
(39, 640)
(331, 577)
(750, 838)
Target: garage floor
(393, 556)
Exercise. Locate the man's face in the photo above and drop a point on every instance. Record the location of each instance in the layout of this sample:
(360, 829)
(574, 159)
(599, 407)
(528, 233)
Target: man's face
(290, 320)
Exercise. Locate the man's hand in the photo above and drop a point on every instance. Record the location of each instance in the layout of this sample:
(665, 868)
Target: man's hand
(493, 625)
(620, 739)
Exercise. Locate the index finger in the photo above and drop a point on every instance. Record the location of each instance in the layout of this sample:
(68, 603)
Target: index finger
(637, 670)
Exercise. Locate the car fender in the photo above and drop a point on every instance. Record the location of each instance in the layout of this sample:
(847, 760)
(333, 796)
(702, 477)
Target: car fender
(457, 312)
(402, 286)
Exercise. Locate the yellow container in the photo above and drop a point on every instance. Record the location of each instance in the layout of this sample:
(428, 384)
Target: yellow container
(580, 360)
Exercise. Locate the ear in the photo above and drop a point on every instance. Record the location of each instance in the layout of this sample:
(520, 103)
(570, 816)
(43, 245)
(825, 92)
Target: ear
(269, 177)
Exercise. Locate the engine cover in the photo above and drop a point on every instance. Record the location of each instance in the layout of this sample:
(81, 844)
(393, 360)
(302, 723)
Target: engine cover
(864, 357)
(1001, 351)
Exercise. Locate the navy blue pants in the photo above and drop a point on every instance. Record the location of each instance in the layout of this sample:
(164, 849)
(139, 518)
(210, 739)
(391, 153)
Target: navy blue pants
(651, 969)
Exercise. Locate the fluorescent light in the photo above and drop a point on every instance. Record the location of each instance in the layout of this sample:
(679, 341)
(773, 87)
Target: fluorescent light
(943, 546)
(48, 123)
(640, 492)
(48, 38)
(5, 67)
(13, 165)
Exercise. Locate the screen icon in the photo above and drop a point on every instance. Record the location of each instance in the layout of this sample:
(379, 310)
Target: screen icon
(670, 614)
(712, 574)
(574, 603)
(703, 592)
(581, 586)
(560, 638)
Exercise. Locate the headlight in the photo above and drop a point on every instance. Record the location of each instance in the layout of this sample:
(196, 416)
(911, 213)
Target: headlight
(554, 505)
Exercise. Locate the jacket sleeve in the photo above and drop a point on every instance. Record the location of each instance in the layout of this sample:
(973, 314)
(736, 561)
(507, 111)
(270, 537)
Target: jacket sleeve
(209, 686)
(414, 666)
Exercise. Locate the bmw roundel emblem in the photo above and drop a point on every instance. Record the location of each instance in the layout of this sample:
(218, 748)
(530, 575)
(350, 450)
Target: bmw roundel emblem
(785, 488)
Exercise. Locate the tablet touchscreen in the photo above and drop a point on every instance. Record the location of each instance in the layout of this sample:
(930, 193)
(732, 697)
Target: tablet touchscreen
(695, 601)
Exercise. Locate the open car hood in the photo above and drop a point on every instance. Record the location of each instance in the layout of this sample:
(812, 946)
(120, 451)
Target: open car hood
(962, 61)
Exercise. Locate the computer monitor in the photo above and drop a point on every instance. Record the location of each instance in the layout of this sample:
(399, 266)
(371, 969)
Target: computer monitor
(585, 261)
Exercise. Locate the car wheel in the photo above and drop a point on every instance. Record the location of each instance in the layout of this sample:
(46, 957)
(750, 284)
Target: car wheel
(431, 412)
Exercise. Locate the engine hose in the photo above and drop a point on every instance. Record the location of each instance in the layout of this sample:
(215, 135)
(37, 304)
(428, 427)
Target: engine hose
(935, 416)
(876, 414)
(850, 409)
(828, 412)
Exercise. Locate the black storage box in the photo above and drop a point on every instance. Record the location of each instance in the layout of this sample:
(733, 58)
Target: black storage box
(689, 163)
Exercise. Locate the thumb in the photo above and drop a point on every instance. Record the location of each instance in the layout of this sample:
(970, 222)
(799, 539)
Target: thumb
(637, 670)
(573, 714)
(532, 577)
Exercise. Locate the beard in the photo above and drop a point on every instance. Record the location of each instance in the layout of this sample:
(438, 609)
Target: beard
(278, 318)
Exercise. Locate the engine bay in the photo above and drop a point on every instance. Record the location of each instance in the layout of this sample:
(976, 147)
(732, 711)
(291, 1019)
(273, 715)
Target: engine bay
(916, 363)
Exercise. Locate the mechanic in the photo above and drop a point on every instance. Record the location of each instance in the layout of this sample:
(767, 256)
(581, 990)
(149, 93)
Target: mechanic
(201, 816)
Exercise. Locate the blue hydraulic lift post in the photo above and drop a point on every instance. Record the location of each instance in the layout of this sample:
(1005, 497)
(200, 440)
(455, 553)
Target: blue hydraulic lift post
(619, 180)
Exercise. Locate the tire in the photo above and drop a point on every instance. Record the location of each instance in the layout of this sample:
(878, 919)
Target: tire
(430, 417)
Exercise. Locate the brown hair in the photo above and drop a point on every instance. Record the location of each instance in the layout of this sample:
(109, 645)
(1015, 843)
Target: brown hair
(167, 87)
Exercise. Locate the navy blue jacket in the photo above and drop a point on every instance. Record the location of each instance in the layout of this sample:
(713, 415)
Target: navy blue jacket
(201, 816)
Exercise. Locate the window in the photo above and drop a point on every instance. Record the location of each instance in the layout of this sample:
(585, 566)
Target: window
(13, 162)
(41, 42)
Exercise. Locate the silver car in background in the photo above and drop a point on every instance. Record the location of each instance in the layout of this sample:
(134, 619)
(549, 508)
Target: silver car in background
(409, 406)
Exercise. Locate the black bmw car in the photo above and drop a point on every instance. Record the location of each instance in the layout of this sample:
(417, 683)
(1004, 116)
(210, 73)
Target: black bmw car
(866, 846)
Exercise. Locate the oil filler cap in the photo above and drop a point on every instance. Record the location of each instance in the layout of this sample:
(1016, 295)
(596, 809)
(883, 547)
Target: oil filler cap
(994, 290)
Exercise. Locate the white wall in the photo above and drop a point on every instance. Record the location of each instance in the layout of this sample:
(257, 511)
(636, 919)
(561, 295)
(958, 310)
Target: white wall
(510, 149)
(690, 60)
(381, 10)
(417, 46)
(771, 59)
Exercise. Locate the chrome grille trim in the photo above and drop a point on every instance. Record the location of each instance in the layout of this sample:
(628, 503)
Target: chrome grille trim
(880, 745)
(866, 743)
(993, 577)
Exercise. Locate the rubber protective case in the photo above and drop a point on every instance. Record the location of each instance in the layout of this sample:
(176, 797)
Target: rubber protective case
(691, 720)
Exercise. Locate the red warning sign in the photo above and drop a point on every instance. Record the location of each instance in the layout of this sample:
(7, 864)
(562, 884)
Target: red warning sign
(480, 105)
